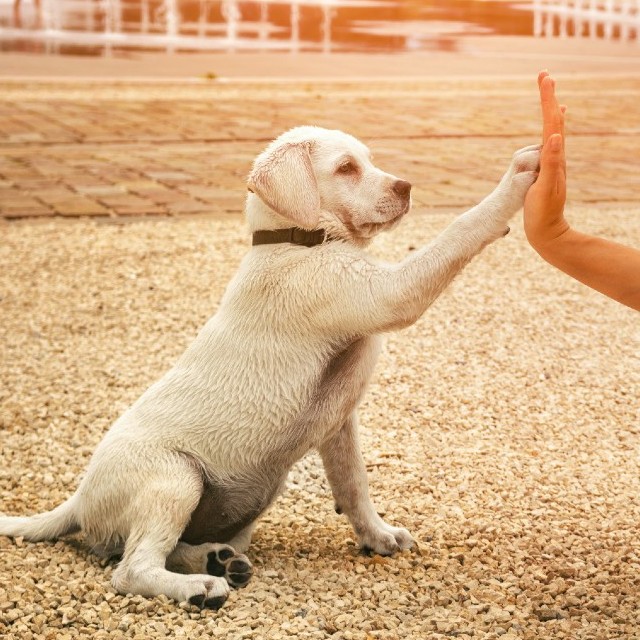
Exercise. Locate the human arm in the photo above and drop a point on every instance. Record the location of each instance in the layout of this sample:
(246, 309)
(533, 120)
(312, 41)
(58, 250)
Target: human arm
(606, 266)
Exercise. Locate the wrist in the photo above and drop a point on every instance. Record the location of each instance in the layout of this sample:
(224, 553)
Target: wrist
(551, 246)
(544, 237)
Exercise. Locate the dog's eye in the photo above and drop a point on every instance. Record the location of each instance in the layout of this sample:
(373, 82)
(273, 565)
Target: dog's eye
(347, 167)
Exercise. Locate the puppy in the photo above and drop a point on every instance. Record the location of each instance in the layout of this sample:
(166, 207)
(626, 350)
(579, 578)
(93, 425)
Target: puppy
(177, 483)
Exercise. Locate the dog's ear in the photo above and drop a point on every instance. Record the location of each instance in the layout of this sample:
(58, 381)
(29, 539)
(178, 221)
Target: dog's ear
(283, 178)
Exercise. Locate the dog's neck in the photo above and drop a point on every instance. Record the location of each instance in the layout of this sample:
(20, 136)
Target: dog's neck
(261, 217)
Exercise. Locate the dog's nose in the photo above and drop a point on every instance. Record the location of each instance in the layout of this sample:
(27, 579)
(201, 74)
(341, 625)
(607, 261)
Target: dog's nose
(402, 188)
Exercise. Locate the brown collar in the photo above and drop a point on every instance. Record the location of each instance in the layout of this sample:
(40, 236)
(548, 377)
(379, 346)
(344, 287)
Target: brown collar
(294, 235)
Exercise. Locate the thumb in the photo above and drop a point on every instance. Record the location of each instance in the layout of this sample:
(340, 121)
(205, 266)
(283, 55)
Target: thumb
(552, 178)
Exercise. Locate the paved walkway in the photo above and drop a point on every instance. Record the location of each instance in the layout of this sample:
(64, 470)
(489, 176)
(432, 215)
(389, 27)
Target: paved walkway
(136, 148)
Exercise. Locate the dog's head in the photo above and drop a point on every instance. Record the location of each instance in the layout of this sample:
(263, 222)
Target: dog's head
(316, 178)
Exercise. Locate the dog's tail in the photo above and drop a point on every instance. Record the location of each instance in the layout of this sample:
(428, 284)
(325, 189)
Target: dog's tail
(43, 526)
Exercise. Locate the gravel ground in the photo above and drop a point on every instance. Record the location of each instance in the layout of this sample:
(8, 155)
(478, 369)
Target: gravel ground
(502, 429)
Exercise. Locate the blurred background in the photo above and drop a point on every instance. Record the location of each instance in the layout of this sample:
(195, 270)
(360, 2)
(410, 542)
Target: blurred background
(96, 27)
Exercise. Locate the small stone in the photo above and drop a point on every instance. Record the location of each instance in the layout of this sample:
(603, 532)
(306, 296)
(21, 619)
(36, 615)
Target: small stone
(545, 614)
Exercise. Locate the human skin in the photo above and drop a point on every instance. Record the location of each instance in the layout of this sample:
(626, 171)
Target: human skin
(608, 267)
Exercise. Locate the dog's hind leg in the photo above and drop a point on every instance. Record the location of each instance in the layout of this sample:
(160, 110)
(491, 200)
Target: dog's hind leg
(216, 559)
(241, 541)
(142, 571)
(161, 513)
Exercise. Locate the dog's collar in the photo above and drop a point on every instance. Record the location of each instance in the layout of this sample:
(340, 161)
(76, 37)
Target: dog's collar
(294, 235)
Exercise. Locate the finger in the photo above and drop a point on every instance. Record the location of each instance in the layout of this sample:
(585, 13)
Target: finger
(551, 115)
(543, 74)
(563, 110)
(552, 177)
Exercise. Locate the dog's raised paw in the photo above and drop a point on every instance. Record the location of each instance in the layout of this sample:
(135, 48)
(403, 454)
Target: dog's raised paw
(234, 567)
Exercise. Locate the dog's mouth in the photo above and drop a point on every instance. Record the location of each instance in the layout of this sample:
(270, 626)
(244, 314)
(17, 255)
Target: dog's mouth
(370, 229)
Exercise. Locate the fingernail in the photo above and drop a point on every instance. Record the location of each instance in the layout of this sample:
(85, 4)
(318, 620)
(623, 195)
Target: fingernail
(556, 142)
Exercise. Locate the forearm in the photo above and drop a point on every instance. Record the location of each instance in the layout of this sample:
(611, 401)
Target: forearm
(608, 267)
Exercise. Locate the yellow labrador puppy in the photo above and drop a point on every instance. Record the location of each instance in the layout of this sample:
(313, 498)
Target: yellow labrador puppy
(179, 480)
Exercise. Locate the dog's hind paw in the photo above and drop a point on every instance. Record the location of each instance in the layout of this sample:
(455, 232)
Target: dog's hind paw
(203, 602)
(234, 567)
(204, 591)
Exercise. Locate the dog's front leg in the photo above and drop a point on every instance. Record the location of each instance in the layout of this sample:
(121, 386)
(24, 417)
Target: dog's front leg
(361, 296)
(347, 476)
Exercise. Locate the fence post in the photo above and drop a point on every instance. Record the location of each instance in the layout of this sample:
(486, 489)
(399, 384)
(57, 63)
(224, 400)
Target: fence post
(295, 26)
(537, 18)
(107, 9)
(609, 19)
(625, 15)
(171, 21)
(564, 19)
(548, 24)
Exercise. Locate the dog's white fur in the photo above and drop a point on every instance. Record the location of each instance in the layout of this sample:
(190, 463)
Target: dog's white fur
(277, 371)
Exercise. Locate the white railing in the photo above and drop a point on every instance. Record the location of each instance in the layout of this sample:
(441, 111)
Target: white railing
(165, 24)
(608, 19)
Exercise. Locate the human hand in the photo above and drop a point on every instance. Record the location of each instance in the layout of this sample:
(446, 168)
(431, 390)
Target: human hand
(544, 203)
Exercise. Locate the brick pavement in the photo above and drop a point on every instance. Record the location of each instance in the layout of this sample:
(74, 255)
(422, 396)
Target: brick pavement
(76, 148)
